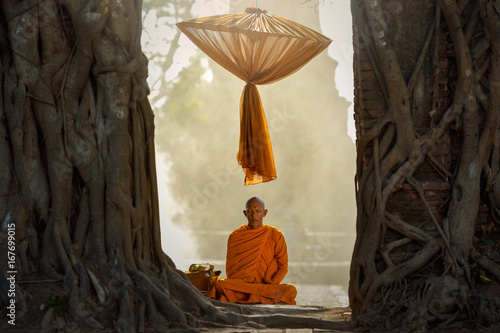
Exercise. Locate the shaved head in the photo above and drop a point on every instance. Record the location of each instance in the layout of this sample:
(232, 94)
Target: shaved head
(259, 200)
(255, 212)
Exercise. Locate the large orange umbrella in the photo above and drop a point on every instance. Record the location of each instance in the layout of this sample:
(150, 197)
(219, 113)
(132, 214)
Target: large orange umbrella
(259, 48)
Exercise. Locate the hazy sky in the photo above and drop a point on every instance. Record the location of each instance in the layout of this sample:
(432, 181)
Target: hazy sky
(335, 19)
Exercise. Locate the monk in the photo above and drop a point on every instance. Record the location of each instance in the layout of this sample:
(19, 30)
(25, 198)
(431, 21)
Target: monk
(256, 263)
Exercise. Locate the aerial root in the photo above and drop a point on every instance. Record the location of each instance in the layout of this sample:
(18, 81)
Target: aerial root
(144, 303)
(69, 312)
(125, 323)
(62, 261)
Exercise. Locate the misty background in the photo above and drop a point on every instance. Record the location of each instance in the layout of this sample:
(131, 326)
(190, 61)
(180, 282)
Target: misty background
(196, 103)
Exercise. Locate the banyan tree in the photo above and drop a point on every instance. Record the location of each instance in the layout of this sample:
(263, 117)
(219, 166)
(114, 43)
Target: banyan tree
(427, 115)
(77, 172)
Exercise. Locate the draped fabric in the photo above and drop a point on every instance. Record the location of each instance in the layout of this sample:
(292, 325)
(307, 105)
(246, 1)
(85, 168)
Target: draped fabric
(255, 154)
(256, 264)
(257, 255)
(259, 48)
(239, 291)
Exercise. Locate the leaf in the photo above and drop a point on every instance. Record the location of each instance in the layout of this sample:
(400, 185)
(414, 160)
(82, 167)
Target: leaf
(484, 278)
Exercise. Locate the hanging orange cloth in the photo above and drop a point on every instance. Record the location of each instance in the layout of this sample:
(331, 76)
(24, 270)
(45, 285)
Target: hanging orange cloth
(259, 48)
(256, 154)
(256, 263)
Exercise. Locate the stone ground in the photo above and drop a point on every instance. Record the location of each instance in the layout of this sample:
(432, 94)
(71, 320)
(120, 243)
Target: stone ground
(330, 296)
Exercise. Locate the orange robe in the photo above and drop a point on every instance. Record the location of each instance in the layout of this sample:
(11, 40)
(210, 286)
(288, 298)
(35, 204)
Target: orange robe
(256, 263)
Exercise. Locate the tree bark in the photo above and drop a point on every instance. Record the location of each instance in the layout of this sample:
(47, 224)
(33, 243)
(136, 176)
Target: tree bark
(78, 177)
(417, 255)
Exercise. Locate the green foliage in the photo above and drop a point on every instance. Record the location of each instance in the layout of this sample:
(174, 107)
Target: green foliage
(173, 8)
(183, 108)
(184, 104)
(57, 302)
(488, 241)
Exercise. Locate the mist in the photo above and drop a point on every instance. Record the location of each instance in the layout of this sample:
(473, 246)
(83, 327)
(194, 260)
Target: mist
(201, 185)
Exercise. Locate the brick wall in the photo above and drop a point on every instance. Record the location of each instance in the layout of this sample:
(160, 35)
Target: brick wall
(429, 100)
(432, 96)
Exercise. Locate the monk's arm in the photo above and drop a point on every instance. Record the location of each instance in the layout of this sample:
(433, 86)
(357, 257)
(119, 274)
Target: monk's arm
(281, 257)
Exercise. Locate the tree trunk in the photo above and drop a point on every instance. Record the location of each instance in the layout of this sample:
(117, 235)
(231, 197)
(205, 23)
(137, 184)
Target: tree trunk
(77, 167)
(427, 124)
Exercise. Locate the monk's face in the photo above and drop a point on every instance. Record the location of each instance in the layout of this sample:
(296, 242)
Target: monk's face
(255, 213)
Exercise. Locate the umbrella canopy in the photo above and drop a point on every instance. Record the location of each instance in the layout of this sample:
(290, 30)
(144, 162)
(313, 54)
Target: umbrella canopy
(259, 48)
